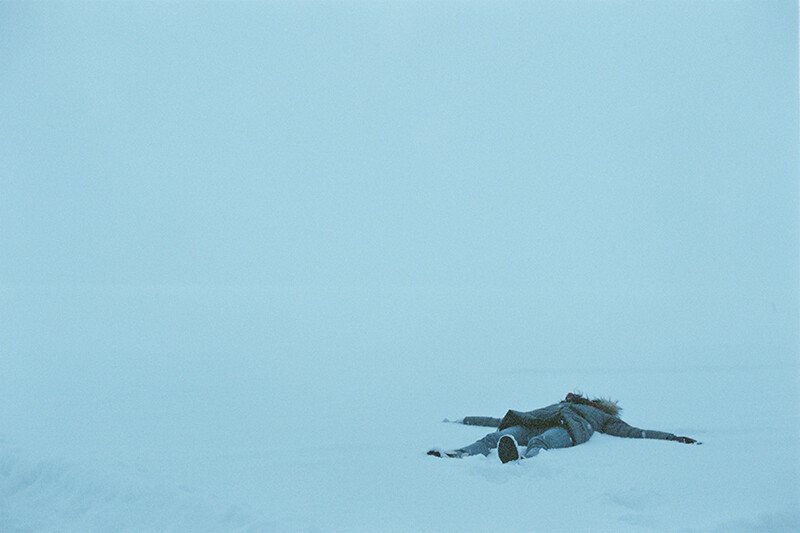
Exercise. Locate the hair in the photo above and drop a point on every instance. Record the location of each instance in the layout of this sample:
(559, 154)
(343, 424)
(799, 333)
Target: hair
(607, 405)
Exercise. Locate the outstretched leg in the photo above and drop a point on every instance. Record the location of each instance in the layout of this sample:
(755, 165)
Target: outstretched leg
(489, 442)
(556, 437)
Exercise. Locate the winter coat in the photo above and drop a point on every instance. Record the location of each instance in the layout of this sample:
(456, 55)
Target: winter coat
(579, 420)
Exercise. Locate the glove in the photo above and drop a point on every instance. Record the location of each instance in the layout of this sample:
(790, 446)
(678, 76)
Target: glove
(684, 440)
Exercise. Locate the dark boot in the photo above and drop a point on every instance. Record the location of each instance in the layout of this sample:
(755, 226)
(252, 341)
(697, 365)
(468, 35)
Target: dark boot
(507, 449)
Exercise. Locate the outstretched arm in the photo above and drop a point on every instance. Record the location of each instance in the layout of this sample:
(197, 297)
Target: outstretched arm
(486, 421)
(619, 428)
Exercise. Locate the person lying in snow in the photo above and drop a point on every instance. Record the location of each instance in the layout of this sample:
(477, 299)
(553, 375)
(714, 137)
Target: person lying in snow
(561, 425)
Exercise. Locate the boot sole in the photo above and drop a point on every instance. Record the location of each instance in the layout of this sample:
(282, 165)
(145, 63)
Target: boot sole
(507, 449)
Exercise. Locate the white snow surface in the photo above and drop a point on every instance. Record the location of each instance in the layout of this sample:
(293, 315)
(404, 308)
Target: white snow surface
(134, 442)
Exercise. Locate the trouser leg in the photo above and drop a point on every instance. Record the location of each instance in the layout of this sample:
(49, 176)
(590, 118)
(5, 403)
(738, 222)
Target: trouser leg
(556, 437)
(489, 442)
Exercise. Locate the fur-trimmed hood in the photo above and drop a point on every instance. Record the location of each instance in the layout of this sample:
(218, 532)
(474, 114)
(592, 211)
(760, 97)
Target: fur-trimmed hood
(607, 405)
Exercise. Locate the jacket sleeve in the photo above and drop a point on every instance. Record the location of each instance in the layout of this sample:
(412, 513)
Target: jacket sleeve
(618, 428)
(481, 421)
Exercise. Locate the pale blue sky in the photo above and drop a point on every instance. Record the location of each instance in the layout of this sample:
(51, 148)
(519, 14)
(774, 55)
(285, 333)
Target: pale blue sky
(600, 176)
(399, 142)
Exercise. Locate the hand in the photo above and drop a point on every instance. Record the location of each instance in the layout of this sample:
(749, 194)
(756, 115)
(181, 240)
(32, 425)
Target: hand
(685, 440)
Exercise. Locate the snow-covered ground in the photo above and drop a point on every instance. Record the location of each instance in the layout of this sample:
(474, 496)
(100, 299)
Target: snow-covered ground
(253, 253)
(205, 414)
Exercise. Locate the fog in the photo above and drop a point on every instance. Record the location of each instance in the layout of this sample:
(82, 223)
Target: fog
(219, 219)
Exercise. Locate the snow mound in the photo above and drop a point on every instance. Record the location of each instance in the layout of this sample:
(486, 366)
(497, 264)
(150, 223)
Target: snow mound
(52, 494)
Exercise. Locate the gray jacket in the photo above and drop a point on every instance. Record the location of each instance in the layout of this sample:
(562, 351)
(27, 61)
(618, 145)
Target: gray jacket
(578, 419)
